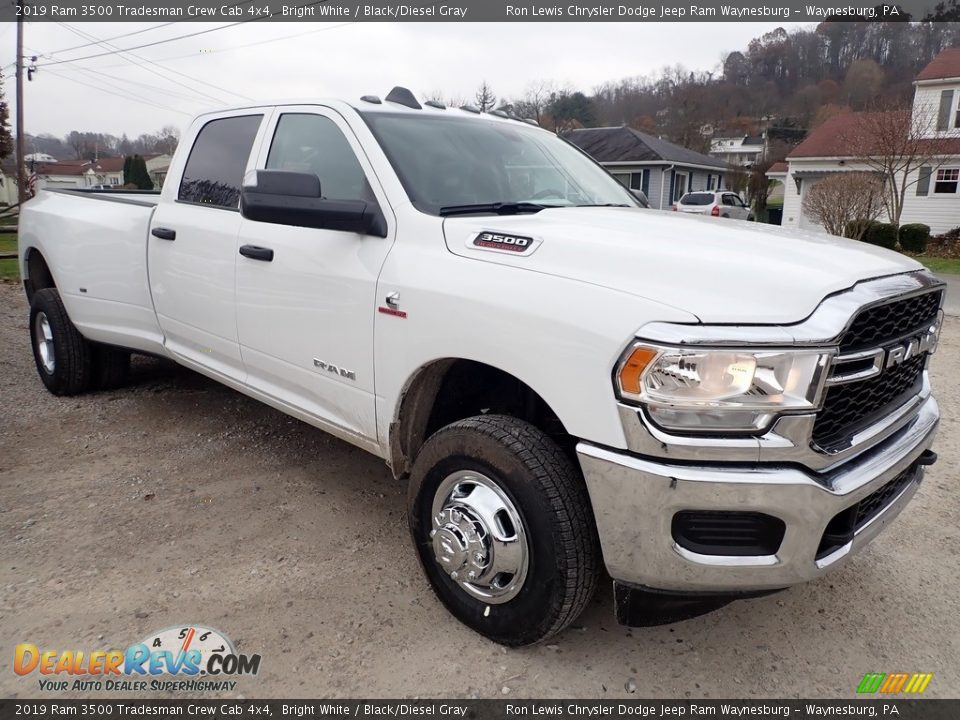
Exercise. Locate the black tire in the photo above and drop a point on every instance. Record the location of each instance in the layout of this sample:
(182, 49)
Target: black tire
(72, 357)
(750, 217)
(551, 497)
(111, 367)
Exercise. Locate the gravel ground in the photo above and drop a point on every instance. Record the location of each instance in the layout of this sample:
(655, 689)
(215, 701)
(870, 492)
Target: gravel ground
(179, 501)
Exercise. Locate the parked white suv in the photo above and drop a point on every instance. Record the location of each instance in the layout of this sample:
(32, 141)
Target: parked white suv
(715, 203)
(565, 381)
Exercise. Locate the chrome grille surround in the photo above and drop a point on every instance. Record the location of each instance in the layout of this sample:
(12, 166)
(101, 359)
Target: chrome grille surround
(790, 438)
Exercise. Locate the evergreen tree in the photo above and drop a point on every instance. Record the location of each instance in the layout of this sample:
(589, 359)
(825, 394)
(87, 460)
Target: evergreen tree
(485, 97)
(127, 163)
(6, 139)
(138, 173)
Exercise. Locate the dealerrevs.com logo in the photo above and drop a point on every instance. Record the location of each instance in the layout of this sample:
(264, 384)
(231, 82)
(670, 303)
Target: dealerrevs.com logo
(186, 658)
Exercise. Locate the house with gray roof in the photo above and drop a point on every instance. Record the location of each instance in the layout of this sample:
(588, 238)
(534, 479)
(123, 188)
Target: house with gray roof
(662, 169)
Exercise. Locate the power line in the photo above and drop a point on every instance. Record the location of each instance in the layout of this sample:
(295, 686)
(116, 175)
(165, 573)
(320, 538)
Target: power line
(125, 96)
(129, 34)
(115, 37)
(244, 45)
(145, 64)
(97, 73)
(168, 40)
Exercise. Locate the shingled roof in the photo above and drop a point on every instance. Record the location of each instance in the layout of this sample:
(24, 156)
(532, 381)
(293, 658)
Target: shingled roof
(624, 144)
(945, 65)
(833, 138)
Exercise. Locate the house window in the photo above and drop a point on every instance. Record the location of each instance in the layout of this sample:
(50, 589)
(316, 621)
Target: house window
(640, 180)
(947, 181)
(710, 185)
(622, 178)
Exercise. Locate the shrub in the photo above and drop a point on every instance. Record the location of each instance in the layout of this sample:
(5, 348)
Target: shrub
(882, 234)
(914, 237)
(858, 229)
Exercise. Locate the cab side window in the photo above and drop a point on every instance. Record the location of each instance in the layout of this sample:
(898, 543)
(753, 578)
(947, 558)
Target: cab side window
(314, 144)
(728, 199)
(217, 161)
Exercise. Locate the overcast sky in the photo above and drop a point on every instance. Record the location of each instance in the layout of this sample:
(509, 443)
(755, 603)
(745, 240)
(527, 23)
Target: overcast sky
(169, 82)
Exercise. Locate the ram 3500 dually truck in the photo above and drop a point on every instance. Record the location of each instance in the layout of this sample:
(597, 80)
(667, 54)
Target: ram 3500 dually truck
(567, 381)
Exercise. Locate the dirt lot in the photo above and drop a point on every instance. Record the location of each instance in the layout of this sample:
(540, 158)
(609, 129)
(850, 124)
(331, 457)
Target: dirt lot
(177, 500)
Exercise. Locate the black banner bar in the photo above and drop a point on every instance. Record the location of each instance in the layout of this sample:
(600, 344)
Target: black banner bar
(901, 709)
(476, 11)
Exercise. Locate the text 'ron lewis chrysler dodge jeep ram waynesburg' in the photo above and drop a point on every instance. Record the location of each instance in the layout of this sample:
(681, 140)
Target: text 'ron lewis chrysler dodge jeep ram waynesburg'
(566, 381)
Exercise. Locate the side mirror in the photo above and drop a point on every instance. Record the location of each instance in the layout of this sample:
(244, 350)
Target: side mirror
(292, 198)
(641, 197)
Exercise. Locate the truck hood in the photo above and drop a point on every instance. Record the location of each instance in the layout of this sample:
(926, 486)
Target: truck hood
(722, 271)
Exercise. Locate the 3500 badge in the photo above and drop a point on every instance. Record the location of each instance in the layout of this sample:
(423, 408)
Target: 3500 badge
(501, 241)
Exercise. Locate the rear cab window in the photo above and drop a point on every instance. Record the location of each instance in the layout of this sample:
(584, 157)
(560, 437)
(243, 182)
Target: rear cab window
(217, 161)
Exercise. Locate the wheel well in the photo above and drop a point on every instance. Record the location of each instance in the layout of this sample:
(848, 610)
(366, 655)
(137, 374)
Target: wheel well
(38, 274)
(449, 390)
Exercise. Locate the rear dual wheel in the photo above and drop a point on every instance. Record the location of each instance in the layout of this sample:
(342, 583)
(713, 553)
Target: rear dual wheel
(69, 364)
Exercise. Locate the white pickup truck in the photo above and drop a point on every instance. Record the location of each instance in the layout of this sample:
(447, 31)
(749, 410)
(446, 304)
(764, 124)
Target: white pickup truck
(566, 380)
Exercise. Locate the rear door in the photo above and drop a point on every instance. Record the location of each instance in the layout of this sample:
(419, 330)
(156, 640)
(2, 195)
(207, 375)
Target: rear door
(192, 247)
(306, 315)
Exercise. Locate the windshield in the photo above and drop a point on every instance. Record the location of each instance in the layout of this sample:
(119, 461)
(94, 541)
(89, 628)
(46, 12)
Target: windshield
(697, 199)
(452, 163)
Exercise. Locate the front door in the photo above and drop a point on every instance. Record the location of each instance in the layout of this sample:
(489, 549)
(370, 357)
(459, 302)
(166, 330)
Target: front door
(305, 316)
(192, 247)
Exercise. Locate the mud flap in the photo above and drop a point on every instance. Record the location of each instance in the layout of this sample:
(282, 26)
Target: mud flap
(646, 607)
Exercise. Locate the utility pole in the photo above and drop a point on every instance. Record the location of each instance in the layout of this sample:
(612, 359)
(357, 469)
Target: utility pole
(21, 168)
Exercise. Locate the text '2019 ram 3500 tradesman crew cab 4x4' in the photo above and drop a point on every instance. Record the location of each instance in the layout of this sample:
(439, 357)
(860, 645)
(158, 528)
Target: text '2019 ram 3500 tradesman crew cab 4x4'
(565, 380)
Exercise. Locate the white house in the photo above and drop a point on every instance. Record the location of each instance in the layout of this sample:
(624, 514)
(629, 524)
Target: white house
(742, 150)
(933, 192)
(38, 157)
(157, 166)
(79, 173)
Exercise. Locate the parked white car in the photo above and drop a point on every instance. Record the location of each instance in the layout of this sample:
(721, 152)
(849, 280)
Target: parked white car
(564, 380)
(718, 203)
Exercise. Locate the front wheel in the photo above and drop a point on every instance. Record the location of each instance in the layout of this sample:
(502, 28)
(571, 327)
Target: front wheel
(503, 528)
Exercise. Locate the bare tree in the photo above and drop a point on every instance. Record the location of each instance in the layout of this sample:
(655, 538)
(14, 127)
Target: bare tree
(897, 144)
(535, 99)
(485, 97)
(736, 178)
(759, 185)
(839, 199)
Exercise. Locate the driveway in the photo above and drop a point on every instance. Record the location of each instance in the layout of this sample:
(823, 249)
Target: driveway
(177, 501)
(952, 304)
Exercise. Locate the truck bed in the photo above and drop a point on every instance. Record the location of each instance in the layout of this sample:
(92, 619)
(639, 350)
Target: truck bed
(98, 256)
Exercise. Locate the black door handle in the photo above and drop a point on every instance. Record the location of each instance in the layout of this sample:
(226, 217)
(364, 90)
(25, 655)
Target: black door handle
(164, 233)
(255, 252)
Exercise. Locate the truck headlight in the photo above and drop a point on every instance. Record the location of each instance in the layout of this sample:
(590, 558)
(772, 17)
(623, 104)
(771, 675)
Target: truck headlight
(707, 390)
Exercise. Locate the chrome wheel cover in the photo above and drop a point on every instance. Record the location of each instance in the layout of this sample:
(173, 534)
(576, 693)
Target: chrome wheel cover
(43, 337)
(478, 537)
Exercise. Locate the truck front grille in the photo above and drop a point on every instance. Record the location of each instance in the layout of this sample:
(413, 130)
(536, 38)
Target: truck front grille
(853, 407)
(848, 409)
(884, 323)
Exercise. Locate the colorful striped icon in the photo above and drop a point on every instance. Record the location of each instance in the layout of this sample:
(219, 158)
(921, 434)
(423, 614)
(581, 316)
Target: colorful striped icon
(893, 683)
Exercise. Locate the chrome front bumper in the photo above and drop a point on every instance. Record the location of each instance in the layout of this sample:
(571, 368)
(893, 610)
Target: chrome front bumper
(634, 501)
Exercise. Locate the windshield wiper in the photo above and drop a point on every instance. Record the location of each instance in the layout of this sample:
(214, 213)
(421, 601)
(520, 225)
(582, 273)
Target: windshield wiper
(499, 208)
